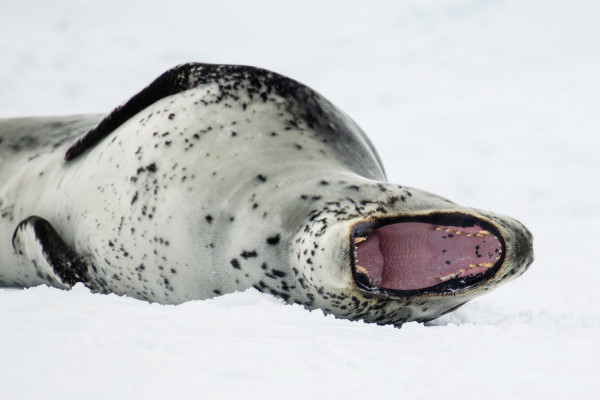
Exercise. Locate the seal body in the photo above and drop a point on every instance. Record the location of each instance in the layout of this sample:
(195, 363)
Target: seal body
(219, 178)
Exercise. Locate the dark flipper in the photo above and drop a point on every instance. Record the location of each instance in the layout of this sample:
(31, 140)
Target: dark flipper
(37, 241)
(302, 102)
(175, 80)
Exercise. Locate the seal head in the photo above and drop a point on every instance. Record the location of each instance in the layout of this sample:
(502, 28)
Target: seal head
(396, 263)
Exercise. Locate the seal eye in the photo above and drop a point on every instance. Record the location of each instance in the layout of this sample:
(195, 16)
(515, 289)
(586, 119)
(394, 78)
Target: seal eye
(425, 256)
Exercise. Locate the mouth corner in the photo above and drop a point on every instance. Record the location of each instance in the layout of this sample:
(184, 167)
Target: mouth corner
(436, 254)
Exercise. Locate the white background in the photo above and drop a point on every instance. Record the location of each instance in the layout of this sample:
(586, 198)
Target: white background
(494, 104)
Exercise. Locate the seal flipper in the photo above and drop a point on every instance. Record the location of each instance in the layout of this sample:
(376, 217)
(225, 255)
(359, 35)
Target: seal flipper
(175, 80)
(302, 102)
(39, 243)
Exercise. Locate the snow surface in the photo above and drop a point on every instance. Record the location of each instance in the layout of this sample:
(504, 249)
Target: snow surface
(494, 104)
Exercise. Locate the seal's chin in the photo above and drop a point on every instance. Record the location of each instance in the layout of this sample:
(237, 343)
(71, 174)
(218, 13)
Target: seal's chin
(442, 253)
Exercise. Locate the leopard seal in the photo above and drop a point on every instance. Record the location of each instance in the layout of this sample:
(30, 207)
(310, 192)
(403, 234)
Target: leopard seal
(219, 178)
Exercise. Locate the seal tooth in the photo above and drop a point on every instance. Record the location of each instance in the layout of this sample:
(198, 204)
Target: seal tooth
(362, 270)
(448, 230)
(449, 276)
(486, 264)
(458, 232)
(472, 265)
(439, 228)
(358, 240)
(469, 234)
(484, 233)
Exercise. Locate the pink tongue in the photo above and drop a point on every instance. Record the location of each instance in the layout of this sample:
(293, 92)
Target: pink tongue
(416, 255)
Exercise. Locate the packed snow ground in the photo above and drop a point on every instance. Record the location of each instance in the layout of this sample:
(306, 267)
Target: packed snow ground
(493, 104)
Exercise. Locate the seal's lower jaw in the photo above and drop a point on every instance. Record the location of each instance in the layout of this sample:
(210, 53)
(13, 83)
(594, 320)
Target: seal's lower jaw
(434, 254)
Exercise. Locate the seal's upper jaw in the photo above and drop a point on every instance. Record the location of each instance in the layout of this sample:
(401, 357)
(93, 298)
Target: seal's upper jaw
(435, 254)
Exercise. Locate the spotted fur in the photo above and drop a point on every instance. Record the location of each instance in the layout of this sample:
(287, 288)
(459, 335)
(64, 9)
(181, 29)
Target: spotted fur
(212, 179)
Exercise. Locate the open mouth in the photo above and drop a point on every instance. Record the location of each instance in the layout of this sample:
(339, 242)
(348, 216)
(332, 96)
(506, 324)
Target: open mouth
(442, 253)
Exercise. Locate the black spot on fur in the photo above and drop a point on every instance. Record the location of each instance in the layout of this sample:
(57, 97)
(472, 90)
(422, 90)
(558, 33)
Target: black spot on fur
(248, 254)
(235, 264)
(392, 200)
(209, 219)
(273, 240)
(278, 273)
(134, 199)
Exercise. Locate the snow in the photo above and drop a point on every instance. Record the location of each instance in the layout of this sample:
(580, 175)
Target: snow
(493, 104)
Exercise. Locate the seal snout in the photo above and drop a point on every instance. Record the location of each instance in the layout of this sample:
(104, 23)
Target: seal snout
(523, 248)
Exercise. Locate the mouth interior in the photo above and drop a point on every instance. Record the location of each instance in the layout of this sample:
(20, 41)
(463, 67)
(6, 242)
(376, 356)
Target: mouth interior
(419, 255)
